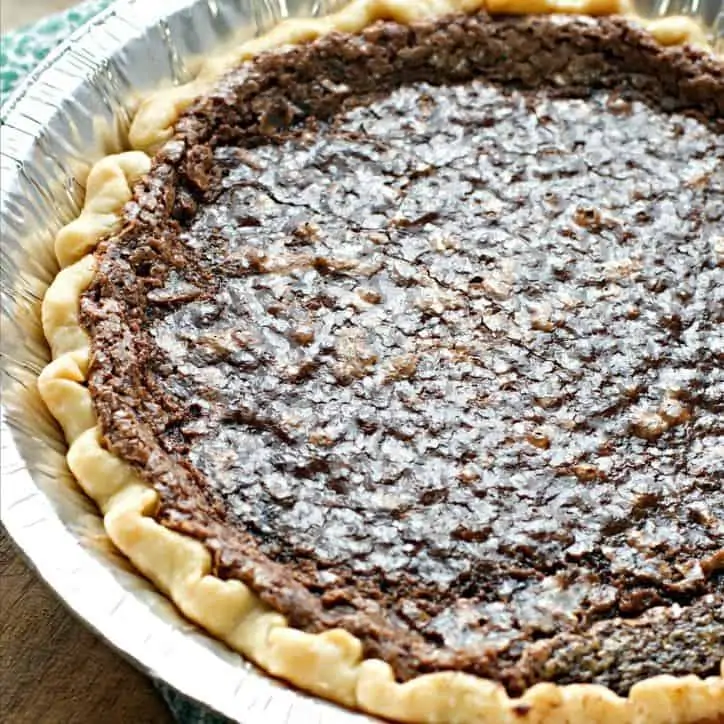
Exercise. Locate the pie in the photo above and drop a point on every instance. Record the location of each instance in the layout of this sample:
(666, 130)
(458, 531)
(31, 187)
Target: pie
(393, 353)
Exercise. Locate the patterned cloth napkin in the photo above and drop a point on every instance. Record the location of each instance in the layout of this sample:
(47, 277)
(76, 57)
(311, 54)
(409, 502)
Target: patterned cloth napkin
(20, 51)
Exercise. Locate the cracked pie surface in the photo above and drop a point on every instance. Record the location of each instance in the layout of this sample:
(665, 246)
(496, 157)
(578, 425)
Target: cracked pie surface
(392, 353)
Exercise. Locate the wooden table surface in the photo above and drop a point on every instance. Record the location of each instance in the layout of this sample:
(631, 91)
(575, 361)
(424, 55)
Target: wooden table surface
(52, 669)
(19, 12)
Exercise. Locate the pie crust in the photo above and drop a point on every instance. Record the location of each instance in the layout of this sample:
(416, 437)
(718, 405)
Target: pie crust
(329, 664)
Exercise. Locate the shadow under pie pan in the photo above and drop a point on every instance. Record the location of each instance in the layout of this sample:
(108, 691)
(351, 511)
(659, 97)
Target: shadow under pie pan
(393, 356)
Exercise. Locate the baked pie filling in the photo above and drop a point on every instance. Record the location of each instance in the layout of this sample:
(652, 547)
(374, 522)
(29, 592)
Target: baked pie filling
(419, 331)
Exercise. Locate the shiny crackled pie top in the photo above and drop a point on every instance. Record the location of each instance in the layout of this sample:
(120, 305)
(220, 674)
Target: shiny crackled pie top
(420, 331)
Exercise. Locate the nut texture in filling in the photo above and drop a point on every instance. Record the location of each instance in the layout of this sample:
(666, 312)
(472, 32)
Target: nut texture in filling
(440, 362)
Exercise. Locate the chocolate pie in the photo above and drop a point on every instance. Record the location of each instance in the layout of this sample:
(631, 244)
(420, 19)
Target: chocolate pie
(394, 355)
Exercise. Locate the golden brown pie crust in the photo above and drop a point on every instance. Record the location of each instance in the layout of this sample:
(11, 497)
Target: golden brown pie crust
(329, 664)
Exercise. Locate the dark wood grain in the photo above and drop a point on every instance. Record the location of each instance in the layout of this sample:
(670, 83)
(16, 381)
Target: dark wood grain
(53, 669)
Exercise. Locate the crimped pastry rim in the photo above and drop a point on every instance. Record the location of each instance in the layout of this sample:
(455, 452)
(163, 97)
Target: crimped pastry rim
(329, 664)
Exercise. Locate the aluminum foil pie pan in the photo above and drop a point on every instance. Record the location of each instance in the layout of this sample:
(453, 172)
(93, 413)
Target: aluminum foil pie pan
(72, 110)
